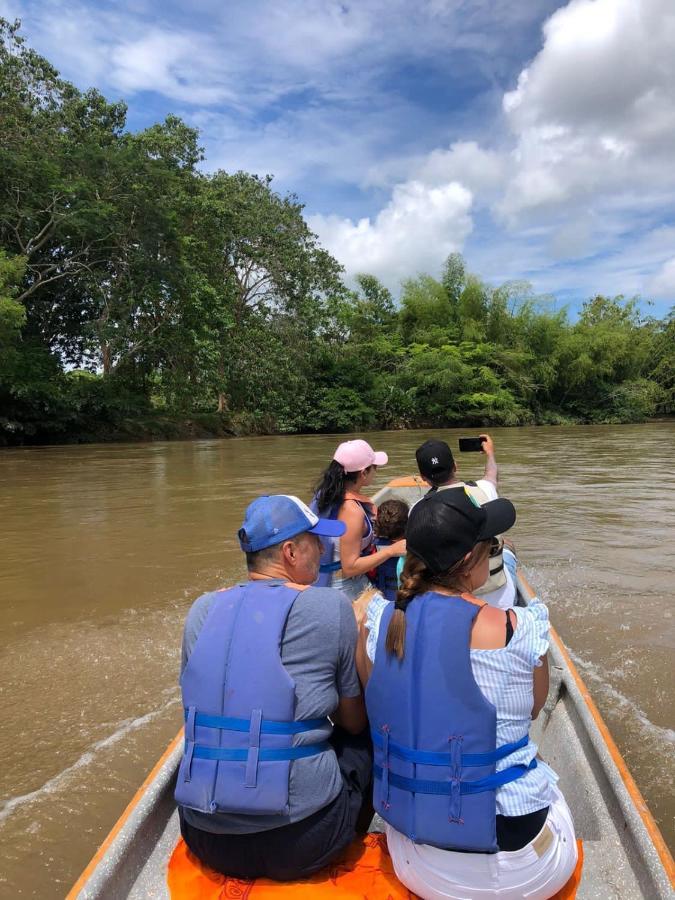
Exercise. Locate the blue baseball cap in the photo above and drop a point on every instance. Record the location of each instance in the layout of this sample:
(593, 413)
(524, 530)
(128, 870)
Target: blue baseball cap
(272, 519)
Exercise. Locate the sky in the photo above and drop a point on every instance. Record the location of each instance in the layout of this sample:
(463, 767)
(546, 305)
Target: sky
(535, 137)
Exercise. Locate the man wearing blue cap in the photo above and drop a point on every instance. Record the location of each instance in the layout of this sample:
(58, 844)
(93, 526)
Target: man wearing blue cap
(275, 776)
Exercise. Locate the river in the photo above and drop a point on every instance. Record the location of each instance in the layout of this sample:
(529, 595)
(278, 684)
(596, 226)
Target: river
(105, 547)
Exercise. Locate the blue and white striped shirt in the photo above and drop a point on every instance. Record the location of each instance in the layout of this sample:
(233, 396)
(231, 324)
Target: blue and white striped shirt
(505, 678)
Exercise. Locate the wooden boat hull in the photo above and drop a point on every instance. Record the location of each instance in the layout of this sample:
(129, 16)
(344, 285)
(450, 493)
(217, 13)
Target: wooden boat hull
(625, 856)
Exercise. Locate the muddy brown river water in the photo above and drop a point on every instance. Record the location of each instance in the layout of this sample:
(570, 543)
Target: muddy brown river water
(103, 549)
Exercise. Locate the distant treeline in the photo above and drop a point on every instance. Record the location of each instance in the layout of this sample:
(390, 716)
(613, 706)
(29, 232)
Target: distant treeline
(140, 296)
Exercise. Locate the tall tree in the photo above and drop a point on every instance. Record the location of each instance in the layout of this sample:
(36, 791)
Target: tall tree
(453, 280)
(54, 143)
(266, 261)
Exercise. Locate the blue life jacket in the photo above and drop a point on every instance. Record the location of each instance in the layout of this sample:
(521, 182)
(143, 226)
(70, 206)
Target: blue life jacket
(330, 563)
(239, 705)
(386, 574)
(330, 558)
(434, 733)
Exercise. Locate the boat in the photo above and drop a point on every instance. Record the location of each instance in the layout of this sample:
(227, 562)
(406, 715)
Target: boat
(625, 855)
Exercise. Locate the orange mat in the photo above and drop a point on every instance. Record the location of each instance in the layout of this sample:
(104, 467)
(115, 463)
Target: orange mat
(364, 871)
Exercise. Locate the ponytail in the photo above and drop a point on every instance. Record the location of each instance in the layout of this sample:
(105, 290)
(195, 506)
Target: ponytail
(332, 486)
(416, 579)
(413, 582)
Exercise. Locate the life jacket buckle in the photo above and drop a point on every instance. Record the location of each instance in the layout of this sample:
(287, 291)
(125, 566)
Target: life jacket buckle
(455, 811)
(251, 779)
(385, 767)
(189, 742)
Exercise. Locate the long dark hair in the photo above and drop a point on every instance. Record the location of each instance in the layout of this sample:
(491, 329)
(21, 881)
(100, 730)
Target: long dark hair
(332, 486)
(417, 579)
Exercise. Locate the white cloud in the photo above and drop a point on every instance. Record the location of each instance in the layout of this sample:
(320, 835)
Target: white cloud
(663, 282)
(415, 231)
(616, 263)
(568, 184)
(120, 50)
(264, 48)
(579, 187)
(480, 170)
(164, 61)
(594, 113)
(10, 10)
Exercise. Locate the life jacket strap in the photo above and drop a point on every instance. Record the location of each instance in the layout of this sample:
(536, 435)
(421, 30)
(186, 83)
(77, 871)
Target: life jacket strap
(448, 788)
(331, 566)
(267, 726)
(241, 755)
(427, 758)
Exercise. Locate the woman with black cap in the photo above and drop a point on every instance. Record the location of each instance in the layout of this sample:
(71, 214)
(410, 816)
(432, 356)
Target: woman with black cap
(452, 687)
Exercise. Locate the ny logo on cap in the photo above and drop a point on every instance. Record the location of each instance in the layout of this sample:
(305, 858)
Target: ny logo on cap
(434, 460)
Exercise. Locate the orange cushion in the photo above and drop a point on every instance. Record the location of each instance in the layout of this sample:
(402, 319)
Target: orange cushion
(364, 871)
(569, 891)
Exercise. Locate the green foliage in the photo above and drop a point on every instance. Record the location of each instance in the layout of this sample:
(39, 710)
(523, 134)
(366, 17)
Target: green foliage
(427, 312)
(661, 366)
(12, 313)
(141, 297)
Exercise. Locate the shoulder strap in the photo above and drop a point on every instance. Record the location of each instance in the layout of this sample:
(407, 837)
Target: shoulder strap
(509, 628)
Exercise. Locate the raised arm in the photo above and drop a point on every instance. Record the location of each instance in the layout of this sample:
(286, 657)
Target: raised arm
(491, 469)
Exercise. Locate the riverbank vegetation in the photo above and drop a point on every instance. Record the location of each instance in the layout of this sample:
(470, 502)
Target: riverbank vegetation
(141, 297)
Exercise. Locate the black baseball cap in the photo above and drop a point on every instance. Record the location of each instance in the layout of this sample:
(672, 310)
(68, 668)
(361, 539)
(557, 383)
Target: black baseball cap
(435, 461)
(444, 526)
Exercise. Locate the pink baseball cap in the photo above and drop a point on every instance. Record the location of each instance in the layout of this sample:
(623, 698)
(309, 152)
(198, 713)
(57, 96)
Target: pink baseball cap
(354, 456)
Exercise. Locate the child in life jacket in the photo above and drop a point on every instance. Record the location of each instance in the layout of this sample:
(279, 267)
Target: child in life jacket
(392, 518)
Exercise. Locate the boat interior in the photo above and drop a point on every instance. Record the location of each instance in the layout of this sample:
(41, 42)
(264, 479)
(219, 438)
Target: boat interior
(622, 855)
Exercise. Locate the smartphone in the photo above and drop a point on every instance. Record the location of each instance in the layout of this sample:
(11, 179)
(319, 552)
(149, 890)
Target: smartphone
(471, 445)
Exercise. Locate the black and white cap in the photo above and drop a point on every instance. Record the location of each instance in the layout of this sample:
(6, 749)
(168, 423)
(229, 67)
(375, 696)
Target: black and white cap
(435, 461)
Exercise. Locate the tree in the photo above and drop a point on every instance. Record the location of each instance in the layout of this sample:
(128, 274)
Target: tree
(53, 143)
(427, 313)
(265, 260)
(453, 280)
(662, 369)
(138, 295)
(133, 285)
(370, 311)
(472, 309)
(12, 312)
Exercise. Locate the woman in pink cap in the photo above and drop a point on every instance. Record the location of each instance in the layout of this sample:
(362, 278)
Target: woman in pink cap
(339, 495)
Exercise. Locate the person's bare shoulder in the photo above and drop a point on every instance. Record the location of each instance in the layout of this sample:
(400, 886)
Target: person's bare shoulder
(350, 511)
(489, 629)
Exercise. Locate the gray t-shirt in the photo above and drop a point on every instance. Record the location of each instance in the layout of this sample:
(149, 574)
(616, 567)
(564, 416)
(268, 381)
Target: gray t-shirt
(317, 650)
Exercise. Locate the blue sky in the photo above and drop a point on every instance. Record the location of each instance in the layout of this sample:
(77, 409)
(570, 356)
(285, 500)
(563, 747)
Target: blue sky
(534, 136)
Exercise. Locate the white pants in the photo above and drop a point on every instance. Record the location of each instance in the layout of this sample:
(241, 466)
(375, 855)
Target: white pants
(537, 871)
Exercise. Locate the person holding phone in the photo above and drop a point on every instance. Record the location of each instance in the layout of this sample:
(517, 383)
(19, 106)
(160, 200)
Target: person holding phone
(438, 468)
